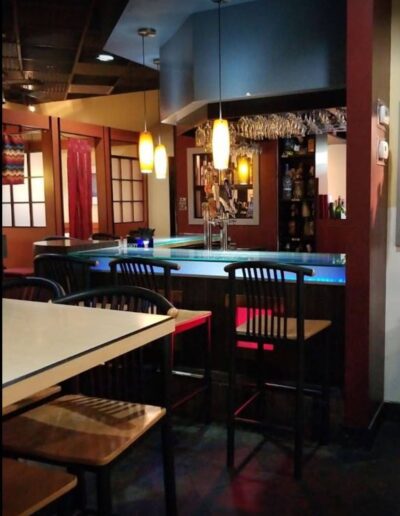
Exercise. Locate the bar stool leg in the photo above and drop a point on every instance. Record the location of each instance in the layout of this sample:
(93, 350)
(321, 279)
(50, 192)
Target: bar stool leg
(104, 496)
(80, 490)
(230, 449)
(166, 429)
(299, 413)
(207, 372)
(261, 398)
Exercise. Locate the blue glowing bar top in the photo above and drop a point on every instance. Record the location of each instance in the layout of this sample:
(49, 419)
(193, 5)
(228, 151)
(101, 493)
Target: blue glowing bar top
(328, 268)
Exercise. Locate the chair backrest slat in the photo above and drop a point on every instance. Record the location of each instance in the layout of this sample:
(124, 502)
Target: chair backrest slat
(268, 302)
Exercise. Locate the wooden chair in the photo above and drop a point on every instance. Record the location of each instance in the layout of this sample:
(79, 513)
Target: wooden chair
(70, 272)
(87, 433)
(29, 488)
(31, 289)
(274, 310)
(103, 236)
(156, 275)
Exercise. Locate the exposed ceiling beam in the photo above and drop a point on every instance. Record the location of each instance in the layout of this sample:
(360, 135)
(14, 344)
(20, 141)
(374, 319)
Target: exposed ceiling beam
(80, 46)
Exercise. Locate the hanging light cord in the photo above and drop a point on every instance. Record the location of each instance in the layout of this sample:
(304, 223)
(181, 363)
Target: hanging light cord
(158, 105)
(219, 58)
(144, 91)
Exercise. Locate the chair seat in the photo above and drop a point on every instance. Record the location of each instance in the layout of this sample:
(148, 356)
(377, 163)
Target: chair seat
(186, 319)
(311, 328)
(79, 429)
(35, 398)
(39, 486)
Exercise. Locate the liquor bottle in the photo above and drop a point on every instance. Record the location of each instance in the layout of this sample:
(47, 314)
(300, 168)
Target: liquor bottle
(342, 210)
(338, 208)
(287, 184)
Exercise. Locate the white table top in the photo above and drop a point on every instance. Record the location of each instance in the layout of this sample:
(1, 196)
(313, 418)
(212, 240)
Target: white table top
(44, 343)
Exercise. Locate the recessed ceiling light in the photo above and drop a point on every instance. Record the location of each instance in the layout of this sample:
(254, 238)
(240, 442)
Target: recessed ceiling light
(105, 57)
(31, 107)
(27, 87)
(248, 94)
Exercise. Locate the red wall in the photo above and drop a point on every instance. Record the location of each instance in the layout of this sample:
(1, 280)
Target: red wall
(368, 74)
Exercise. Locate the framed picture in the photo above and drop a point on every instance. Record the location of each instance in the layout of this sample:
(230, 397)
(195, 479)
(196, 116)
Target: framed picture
(226, 191)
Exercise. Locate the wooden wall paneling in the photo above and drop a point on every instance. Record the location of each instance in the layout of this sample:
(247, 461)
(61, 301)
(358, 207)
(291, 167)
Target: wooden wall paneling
(124, 135)
(25, 119)
(105, 204)
(129, 137)
(20, 239)
(80, 128)
(57, 175)
(20, 245)
(102, 179)
(52, 218)
(182, 143)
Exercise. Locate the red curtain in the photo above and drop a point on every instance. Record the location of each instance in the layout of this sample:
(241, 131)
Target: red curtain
(79, 188)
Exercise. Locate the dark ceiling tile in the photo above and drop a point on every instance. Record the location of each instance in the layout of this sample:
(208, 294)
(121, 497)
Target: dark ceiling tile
(63, 37)
(48, 55)
(50, 38)
(36, 66)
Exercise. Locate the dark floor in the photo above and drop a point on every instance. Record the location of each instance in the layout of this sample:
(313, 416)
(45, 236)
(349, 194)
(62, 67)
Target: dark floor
(337, 480)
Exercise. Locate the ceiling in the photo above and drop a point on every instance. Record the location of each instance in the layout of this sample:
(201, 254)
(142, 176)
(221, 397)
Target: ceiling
(50, 46)
(165, 16)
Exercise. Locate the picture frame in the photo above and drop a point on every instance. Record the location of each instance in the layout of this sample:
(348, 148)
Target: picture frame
(242, 199)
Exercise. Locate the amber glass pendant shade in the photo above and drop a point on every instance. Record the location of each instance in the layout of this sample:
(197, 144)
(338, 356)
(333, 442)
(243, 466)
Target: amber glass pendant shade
(146, 152)
(243, 170)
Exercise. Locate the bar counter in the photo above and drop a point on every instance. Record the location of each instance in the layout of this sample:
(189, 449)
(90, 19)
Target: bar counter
(328, 268)
(203, 285)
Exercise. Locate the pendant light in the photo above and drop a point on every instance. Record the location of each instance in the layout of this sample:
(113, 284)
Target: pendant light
(160, 152)
(220, 132)
(243, 170)
(146, 147)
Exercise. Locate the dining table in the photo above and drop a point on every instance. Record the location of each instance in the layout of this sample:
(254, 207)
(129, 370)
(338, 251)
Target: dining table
(45, 344)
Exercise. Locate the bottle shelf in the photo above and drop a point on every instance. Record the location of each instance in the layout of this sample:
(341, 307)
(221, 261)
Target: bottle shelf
(297, 176)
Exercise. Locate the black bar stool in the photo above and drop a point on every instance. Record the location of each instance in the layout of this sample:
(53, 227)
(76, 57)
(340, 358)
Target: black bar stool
(274, 314)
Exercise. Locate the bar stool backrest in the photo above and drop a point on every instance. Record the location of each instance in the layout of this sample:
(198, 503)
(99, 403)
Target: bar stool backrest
(263, 290)
(31, 288)
(70, 272)
(144, 272)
